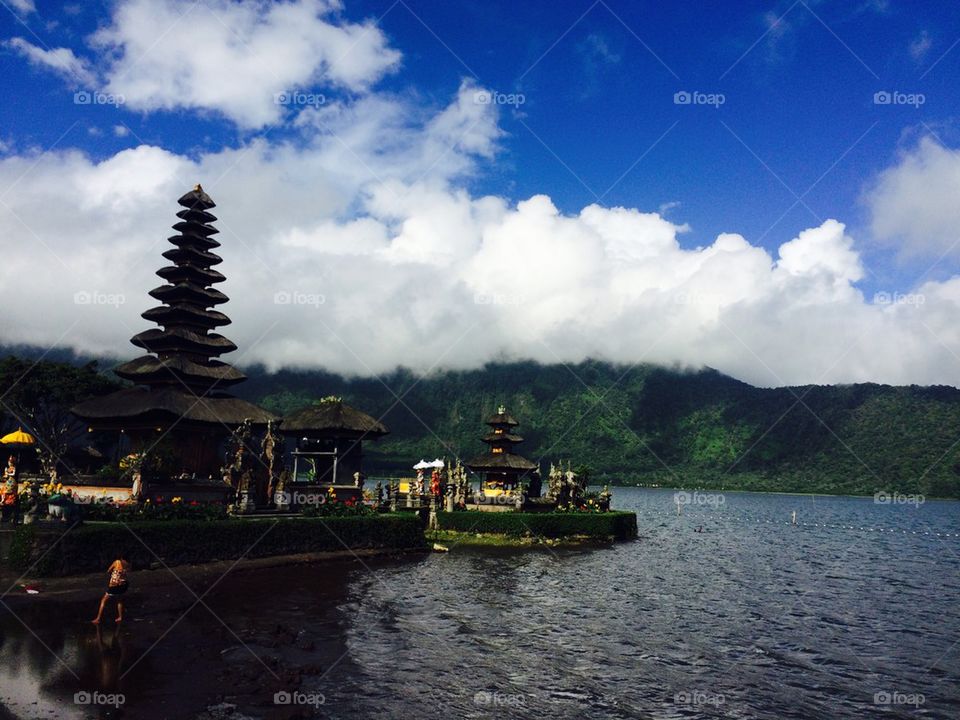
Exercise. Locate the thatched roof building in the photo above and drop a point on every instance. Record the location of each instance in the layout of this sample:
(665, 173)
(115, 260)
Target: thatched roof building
(181, 376)
(332, 418)
(181, 380)
(501, 464)
(328, 442)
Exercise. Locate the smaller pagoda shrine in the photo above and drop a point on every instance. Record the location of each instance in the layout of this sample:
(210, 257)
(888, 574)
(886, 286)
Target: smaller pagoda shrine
(328, 440)
(501, 469)
(178, 411)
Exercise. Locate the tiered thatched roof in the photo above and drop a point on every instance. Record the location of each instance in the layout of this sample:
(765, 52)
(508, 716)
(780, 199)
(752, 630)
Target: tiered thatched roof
(182, 377)
(501, 457)
(160, 406)
(182, 348)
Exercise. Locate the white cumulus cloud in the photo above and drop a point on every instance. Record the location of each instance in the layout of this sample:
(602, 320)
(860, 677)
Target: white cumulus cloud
(60, 60)
(363, 251)
(236, 57)
(913, 204)
(354, 244)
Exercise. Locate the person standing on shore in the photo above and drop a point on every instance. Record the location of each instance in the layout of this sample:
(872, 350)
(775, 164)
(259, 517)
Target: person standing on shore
(116, 588)
(10, 499)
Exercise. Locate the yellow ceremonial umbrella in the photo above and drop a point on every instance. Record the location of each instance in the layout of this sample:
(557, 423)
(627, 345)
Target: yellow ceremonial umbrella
(18, 437)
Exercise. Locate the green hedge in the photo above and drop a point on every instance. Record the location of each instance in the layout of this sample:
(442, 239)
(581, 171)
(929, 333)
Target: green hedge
(618, 525)
(93, 547)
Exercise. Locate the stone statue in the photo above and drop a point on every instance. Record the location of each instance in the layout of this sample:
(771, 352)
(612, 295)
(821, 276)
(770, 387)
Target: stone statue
(554, 483)
(605, 498)
(238, 466)
(270, 448)
(459, 485)
(465, 489)
(246, 502)
(280, 490)
(136, 490)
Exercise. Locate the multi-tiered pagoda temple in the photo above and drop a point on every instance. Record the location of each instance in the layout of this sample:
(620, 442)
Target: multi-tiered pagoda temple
(501, 468)
(180, 381)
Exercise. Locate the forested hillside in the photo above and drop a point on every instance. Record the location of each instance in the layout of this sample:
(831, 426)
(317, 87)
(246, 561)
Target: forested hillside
(650, 425)
(653, 425)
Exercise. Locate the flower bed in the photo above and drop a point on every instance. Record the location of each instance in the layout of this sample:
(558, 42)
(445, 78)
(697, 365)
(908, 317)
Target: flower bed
(330, 506)
(176, 509)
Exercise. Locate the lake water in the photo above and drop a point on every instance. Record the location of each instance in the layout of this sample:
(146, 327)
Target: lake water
(728, 610)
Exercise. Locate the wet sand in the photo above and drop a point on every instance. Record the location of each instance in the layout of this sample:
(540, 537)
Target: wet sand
(196, 641)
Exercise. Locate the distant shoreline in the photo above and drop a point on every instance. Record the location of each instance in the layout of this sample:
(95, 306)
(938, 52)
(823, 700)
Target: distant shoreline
(926, 498)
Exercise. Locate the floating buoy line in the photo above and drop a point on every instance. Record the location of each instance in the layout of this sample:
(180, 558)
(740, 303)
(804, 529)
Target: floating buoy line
(792, 520)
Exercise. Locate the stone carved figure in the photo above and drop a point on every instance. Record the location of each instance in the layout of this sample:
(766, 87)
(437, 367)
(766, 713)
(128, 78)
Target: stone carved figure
(280, 489)
(554, 483)
(271, 448)
(459, 485)
(238, 467)
(605, 497)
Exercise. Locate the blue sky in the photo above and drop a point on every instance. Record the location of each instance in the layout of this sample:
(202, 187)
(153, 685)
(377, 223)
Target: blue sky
(598, 80)
(798, 139)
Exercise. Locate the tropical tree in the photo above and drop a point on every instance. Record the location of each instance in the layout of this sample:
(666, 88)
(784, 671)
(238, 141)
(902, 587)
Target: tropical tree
(38, 396)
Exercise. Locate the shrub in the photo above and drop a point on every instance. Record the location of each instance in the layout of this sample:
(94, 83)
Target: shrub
(21, 547)
(616, 525)
(335, 508)
(90, 548)
(156, 510)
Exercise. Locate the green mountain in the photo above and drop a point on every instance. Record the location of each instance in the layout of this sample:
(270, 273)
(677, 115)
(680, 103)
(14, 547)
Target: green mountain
(652, 425)
(639, 424)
